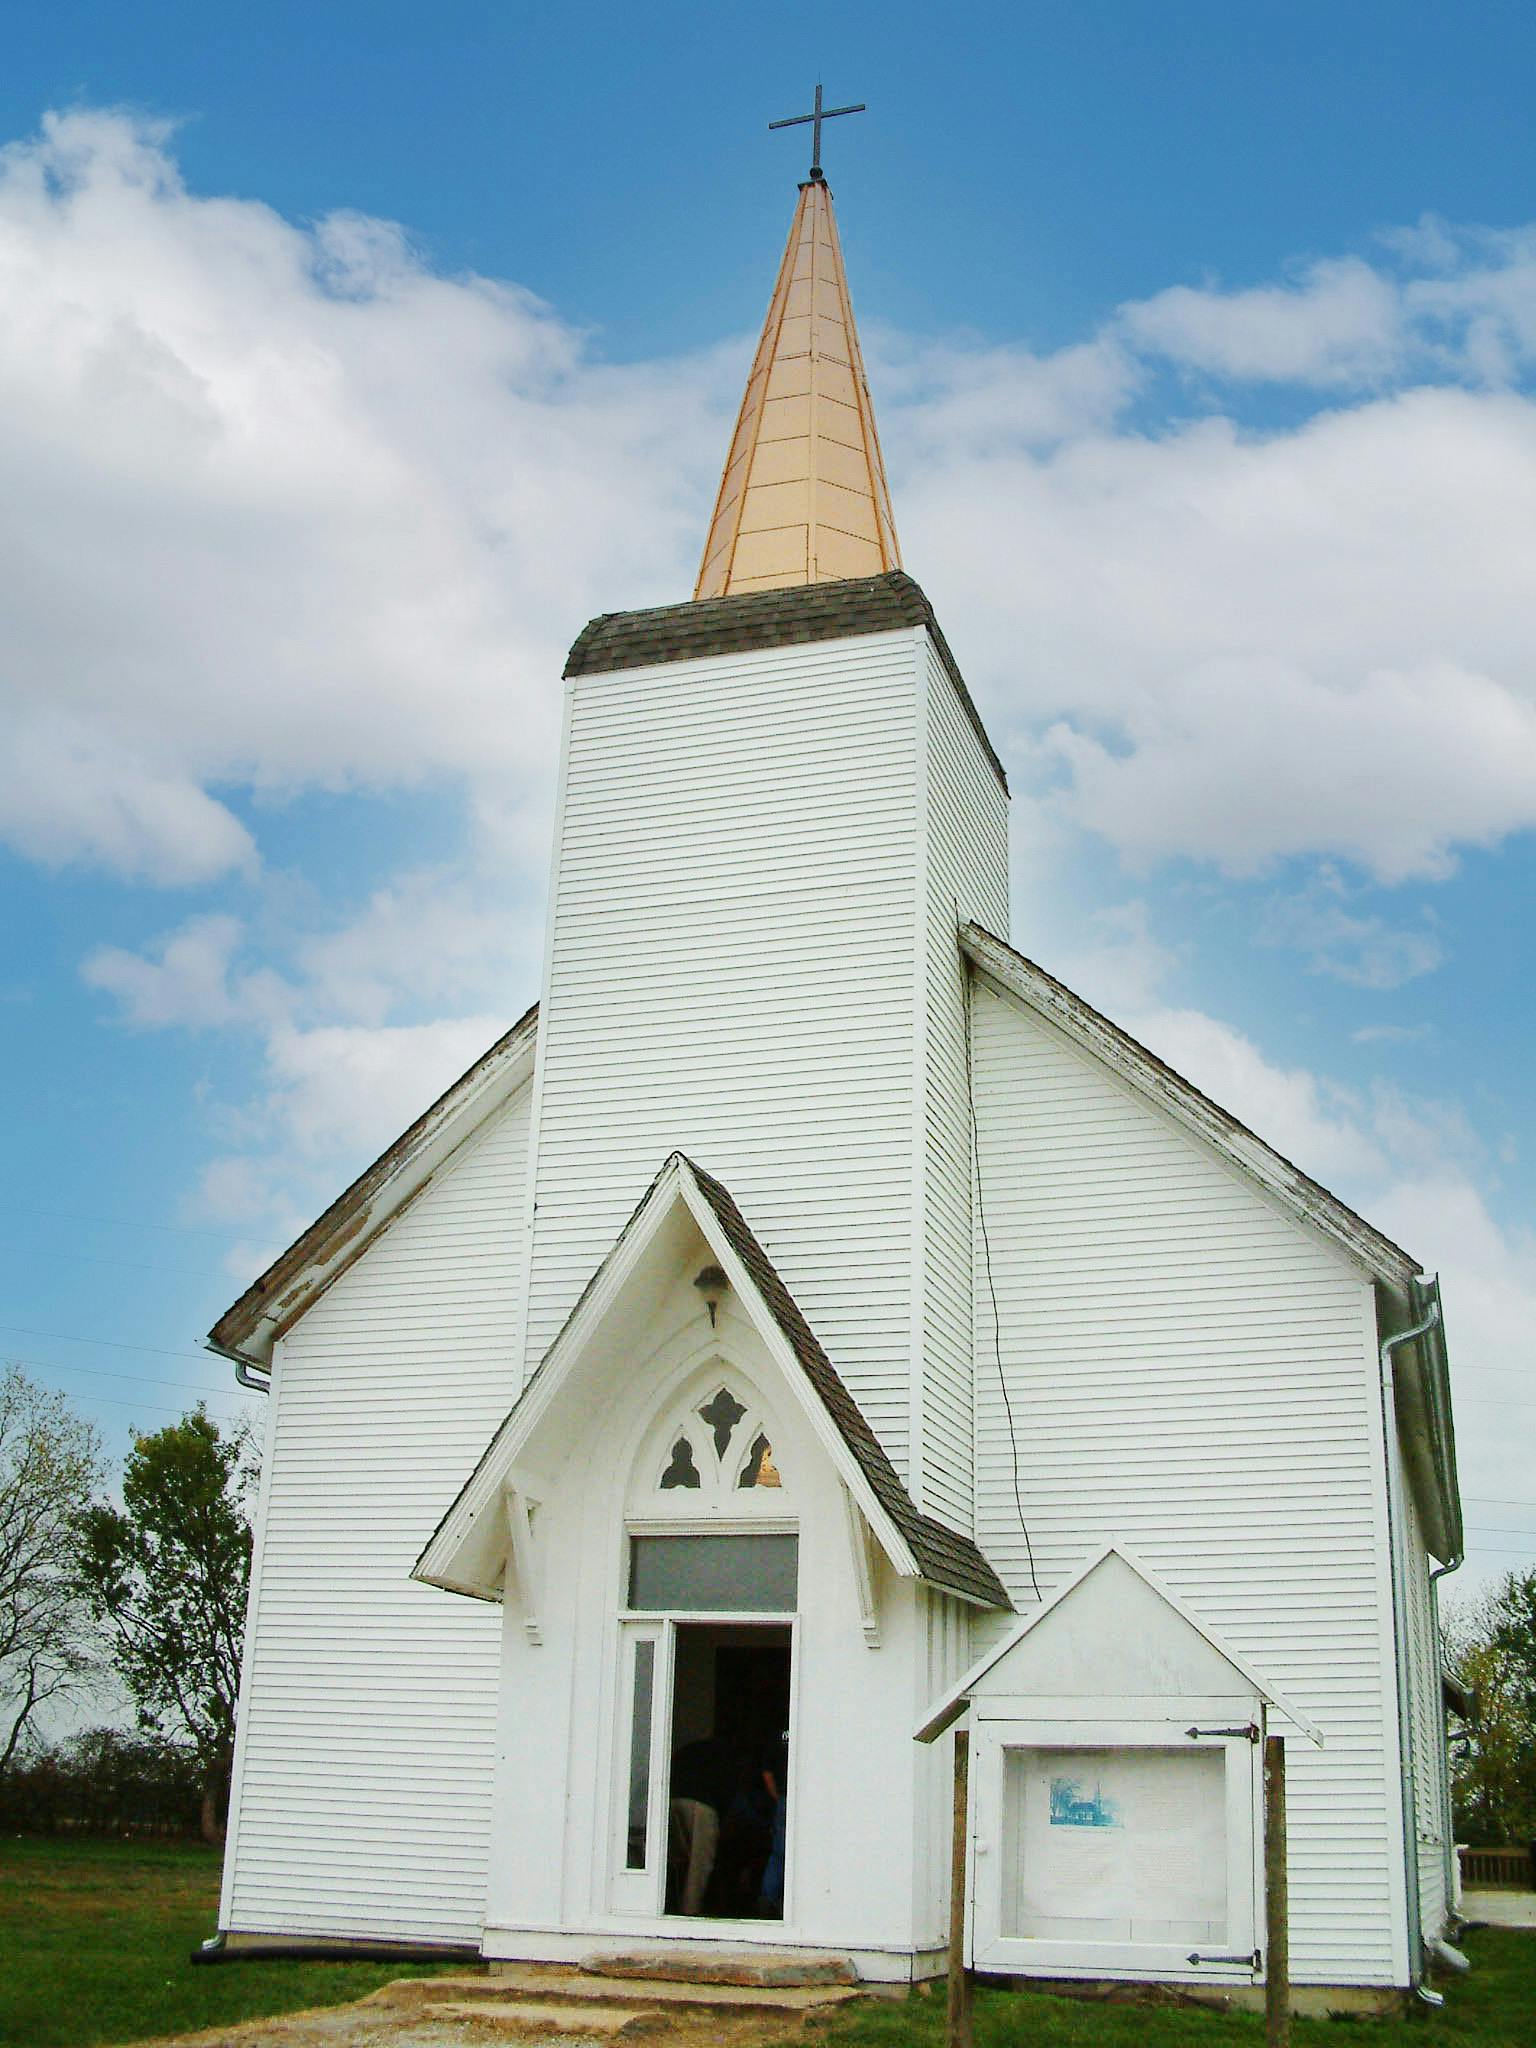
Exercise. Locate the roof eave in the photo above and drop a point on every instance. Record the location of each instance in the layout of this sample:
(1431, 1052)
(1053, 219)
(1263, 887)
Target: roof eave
(250, 1327)
(1308, 1200)
(465, 1553)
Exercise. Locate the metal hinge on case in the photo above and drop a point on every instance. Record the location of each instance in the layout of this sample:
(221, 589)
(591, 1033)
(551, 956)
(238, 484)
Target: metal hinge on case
(1254, 1960)
(1248, 1728)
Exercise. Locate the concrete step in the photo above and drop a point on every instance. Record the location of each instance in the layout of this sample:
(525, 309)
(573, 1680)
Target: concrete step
(526, 2016)
(761, 1968)
(515, 1980)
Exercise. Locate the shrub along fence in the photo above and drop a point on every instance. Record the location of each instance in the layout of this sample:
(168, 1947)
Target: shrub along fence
(103, 1782)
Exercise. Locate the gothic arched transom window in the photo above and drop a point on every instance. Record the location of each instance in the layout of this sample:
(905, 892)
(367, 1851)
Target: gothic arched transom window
(717, 1448)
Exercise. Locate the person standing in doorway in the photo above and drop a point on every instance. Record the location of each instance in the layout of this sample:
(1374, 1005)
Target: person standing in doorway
(705, 1775)
(770, 1897)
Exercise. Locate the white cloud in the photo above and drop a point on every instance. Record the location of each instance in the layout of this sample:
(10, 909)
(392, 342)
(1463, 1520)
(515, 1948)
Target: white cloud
(1452, 302)
(977, 399)
(183, 981)
(286, 510)
(430, 935)
(1341, 322)
(1241, 649)
(74, 792)
(289, 511)
(353, 1088)
(1391, 1034)
(1364, 950)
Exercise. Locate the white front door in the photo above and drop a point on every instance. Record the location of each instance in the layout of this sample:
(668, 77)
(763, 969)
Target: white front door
(1113, 1850)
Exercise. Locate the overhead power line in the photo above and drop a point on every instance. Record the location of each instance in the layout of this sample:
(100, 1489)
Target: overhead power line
(130, 1379)
(37, 1251)
(106, 1343)
(114, 1222)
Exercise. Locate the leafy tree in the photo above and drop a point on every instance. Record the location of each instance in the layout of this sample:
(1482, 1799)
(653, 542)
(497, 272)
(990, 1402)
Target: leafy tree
(1493, 1647)
(50, 1460)
(167, 1573)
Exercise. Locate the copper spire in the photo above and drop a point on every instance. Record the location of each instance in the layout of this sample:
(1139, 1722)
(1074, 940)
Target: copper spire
(804, 497)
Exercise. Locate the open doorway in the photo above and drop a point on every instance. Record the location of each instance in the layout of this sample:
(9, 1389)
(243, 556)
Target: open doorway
(726, 1832)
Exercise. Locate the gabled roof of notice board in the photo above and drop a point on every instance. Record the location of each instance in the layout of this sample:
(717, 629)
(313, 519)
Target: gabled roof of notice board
(951, 1704)
(1131, 1062)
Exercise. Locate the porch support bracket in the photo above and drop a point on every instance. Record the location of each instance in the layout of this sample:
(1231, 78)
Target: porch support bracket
(524, 1562)
(863, 1571)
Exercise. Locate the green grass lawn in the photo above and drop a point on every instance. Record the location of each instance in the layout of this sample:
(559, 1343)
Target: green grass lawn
(94, 1941)
(1493, 2007)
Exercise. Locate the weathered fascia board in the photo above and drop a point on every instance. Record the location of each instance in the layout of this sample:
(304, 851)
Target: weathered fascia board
(1306, 1199)
(298, 1277)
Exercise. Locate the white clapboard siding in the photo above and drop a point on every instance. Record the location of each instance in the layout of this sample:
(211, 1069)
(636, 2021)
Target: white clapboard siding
(363, 1788)
(735, 971)
(1426, 1716)
(966, 881)
(1192, 1372)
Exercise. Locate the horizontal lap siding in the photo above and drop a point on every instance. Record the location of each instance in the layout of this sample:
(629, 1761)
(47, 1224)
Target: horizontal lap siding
(966, 880)
(369, 1718)
(731, 975)
(1191, 1373)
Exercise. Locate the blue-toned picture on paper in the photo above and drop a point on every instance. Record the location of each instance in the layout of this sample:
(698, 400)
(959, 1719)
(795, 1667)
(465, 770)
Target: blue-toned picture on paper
(1075, 1806)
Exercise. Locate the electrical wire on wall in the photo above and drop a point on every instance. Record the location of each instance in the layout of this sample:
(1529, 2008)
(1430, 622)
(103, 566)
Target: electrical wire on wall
(986, 1246)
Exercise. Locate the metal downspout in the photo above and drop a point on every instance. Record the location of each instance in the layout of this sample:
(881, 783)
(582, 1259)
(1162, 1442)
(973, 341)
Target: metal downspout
(1452, 1874)
(1400, 1646)
(253, 1378)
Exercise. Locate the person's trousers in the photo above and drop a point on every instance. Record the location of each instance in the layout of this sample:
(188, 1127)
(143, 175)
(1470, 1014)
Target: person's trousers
(695, 1831)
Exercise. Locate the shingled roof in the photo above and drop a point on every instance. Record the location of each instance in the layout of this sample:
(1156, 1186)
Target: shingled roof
(944, 1558)
(769, 618)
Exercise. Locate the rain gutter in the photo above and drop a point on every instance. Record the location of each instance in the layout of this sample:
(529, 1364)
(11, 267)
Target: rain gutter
(255, 1379)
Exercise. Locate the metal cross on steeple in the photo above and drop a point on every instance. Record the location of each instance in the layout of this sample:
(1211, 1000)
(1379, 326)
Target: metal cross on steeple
(820, 114)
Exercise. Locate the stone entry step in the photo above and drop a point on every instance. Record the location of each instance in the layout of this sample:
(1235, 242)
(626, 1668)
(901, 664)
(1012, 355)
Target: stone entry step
(518, 1980)
(761, 1968)
(551, 1999)
(601, 2022)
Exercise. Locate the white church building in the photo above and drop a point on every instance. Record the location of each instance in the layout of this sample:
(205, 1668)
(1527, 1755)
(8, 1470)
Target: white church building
(812, 1323)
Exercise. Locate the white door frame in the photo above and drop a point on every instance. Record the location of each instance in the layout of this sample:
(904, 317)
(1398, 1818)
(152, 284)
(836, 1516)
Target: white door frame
(998, 1733)
(640, 1895)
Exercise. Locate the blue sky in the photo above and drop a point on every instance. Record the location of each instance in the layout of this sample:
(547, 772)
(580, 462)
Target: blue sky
(362, 352)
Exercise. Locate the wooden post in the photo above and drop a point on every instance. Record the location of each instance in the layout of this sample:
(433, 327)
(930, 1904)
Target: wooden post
(957, 2019)
(1277, 1915)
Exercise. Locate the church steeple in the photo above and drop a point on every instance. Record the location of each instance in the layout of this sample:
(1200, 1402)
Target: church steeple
(804, 497)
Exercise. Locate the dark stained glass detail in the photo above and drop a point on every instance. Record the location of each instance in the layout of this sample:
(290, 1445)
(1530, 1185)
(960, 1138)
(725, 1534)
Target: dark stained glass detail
(682, 1471)
(722, 1412)
(759, 1470)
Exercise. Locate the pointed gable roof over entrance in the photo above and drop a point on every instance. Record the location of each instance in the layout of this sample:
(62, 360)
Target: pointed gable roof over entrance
(465, 1554)
(804, 497)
